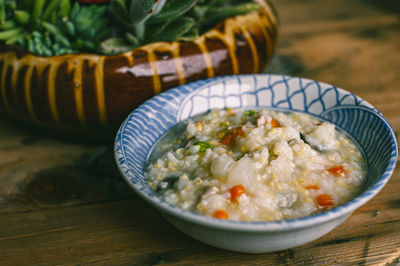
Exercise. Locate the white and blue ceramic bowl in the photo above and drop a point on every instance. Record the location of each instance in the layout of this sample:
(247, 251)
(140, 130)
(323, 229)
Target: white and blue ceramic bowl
(145, 125)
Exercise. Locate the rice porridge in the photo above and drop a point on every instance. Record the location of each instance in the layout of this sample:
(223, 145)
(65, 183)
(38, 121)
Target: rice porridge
(256, 165)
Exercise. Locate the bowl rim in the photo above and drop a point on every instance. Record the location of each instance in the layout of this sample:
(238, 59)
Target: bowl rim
(260, 226)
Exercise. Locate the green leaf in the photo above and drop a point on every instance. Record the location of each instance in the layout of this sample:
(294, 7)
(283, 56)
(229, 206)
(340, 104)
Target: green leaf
(26, 4)
(215, 15)
(176, 29)
(189, 36)
(69, 26)
(2, 11)
(155, 30)
(140, 30)
(11, 4)
(56, 32)
(74, 11)
(172, 10)
(8, 34)
(159, 6)
(132, 39)
(88, 22)
(101, 25)
(50, 10)
(120, 10)
(198, 13)
(22, 17)
(16, 38)
(122, 3)
(115, 46)
(38, 9)
(83, 44)
(9, 24)
(65, 7)
(103, 34)
(140, 10)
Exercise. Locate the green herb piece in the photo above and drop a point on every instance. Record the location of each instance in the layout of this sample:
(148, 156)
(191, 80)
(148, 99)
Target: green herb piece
(224, 124)
(250, 113)
(203, 146)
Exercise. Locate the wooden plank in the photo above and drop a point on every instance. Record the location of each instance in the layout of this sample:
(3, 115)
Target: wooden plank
(297, 12)
(350, 60)
(340, 46)
(129, 231)
(48, 173)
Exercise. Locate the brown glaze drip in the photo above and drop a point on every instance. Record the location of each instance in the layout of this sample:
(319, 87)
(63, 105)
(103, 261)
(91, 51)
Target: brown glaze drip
(19, 93)
(242, 52)
(91, 108)
(223, 62)
(7, 75)
(65, 103)
(39, 96)
(194, 65)
(91, 91)
(128, 79)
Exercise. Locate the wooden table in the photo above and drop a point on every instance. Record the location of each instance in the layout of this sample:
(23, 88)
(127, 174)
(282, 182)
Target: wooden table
(65, 203)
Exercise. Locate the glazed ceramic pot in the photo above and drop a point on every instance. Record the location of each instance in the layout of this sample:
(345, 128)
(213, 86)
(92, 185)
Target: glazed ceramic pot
(76, 92)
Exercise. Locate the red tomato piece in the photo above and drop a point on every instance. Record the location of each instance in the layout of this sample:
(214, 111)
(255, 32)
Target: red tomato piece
(316, 187)
(275, 123)
(221, 214)
(325, 200)
(228, 139)
(238, 131)
(236, 192)
(338, 170)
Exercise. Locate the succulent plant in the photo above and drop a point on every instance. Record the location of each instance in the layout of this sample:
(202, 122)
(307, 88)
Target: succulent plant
(54, 27)
(172, 20)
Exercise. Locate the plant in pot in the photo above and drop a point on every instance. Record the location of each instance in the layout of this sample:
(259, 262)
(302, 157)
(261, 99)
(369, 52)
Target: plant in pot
(84, 65)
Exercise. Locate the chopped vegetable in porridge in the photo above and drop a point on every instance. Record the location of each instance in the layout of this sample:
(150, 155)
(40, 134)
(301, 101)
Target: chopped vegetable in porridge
(257, 165)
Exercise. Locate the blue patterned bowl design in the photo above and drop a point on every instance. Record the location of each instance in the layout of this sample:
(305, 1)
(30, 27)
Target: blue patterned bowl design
(145, 125)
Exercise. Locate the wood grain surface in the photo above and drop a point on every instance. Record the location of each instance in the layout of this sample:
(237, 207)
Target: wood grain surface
(64, 202)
